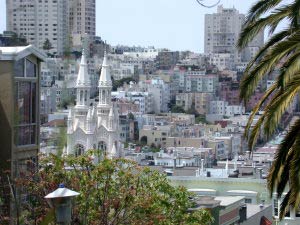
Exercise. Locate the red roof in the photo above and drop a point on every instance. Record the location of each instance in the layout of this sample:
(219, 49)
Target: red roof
(265, 221)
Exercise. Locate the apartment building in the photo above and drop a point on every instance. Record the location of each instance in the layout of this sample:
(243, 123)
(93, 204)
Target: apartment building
(221, 33)
(62, 22)
(82, 20)
(38, 21)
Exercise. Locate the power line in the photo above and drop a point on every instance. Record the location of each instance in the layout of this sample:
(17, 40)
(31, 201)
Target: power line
(200, 2)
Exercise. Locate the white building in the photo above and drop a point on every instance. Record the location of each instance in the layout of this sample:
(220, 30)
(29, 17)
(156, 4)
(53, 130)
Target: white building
(160, 92)
(222, 31)
(143, 99)
(82, 20)
(146, 53)
(38, 21)
(93, 127)
(194, 81)
(223, 108)
(56, 20)
(222, 60)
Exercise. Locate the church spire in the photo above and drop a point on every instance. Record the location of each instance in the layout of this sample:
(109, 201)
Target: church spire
(105, 78)
(105, 84)
(83, 83)
(83, 79)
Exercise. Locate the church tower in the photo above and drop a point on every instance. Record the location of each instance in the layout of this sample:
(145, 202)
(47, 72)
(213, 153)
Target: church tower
(83, 86)
(105, 87)
(94, 127)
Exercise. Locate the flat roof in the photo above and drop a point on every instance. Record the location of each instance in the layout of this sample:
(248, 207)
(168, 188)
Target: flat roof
(228, 200)
(253, 209)
(201, 189)
(242, 191)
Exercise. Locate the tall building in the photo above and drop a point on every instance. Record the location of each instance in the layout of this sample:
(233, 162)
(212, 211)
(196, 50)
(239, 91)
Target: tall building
(38, 21)
(93, 127)
(82, 20)
(19, 110)
(222, 31)
(62, 22)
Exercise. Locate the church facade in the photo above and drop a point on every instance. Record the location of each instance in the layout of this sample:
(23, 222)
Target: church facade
(93, 126)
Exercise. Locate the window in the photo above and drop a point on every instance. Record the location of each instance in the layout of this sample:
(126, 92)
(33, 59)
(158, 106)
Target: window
(25, 119)
(25, 112)
(102, 146)
(248, 200)
(19, 68)
(30, 69)
(79, 150)
(24, 68)
(275, 205)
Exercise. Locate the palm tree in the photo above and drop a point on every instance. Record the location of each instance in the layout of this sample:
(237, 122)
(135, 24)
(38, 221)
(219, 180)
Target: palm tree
(282, 47)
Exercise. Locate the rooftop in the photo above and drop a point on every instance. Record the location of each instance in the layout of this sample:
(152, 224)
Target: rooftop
(252, 209)
(229, 200)
(19, 52)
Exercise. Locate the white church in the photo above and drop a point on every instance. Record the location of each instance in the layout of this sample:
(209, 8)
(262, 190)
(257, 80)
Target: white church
(97, 126)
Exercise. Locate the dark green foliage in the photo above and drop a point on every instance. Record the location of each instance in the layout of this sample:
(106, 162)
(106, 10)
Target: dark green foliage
(121, 82)
(113, 192)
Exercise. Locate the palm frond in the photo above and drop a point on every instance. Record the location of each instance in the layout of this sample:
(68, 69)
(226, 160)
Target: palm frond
(267, 64)
(272, 41)
(255, 132)
(258, 106)
(278, 105)
(283, 207)
(281, 155)
(253, 28)
(294, 170)
(259, 8)
(294, 16)
(290, 67)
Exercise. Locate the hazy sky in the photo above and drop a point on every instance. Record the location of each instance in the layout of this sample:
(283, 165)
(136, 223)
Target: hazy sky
(174, 24)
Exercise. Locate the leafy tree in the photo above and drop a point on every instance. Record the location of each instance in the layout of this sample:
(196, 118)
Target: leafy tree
(61, 140)
(201, 119)
(119, 83)
(192, 110)
(114, 192)
(47, 45)
(177, 109)
(282, 47)
(130, 116)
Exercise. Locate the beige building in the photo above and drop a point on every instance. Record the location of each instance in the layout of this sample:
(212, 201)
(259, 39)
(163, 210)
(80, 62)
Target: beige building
(19, 110)
(221, 33)
(62, 22)
(38, 21)
(218, 148)
(202, 102)
(82, 20)
(155, 135)
(185, 100)
(185, 142)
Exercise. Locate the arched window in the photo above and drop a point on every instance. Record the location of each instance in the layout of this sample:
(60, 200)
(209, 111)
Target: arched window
(79, 150)
(85, 96)
(81, 97)
(103, 96)
(102, 146)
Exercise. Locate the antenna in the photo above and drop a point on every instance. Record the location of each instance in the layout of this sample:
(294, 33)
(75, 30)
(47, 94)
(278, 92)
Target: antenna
(200, 2)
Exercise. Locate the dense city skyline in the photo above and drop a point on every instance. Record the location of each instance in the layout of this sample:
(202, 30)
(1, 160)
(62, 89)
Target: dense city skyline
(125, 99)
(144, 23)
